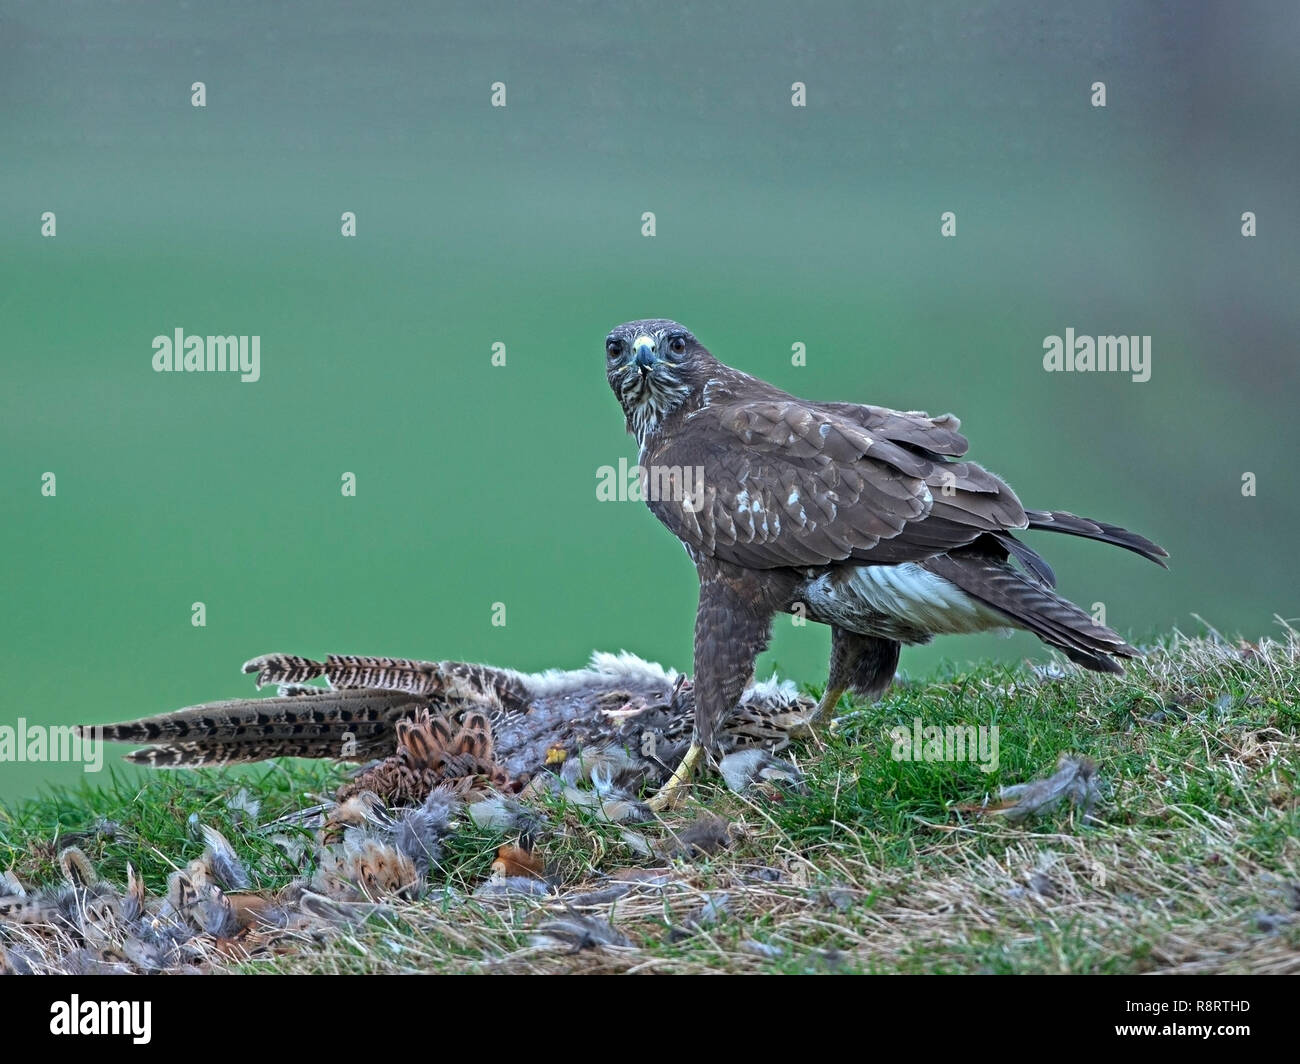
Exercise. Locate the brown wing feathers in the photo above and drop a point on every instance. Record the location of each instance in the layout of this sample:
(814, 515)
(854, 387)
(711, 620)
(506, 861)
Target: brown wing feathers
(928, 436)
(788, 483)
(1036, 608)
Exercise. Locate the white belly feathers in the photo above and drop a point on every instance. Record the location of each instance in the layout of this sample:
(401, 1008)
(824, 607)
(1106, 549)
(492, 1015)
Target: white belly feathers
(900, 602)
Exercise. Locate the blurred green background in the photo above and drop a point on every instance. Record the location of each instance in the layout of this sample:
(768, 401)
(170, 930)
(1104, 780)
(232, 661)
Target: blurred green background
(522, 225)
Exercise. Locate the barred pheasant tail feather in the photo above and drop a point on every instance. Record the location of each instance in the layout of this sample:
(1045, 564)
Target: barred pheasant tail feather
(351, 725)
(449, 681)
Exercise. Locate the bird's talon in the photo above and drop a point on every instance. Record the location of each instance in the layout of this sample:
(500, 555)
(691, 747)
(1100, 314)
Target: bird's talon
(671, 793)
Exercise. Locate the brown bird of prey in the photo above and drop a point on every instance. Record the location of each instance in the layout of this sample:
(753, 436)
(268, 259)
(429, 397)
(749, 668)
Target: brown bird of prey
(860, 517)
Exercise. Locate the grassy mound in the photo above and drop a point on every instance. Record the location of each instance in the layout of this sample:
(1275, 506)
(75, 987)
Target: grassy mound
(1188, 861)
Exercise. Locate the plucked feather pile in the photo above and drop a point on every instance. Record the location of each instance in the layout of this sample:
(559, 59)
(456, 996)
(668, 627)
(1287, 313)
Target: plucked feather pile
(452, 745)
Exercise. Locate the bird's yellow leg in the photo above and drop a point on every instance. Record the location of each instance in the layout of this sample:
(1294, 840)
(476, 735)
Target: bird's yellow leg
(821, 718)
(668, 794)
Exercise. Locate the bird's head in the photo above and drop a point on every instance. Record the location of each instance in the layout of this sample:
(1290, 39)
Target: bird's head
(654, 367)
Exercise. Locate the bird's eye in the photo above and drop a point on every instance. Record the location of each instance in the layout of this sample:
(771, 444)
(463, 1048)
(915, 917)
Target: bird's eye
(677, 345)
(613, 348)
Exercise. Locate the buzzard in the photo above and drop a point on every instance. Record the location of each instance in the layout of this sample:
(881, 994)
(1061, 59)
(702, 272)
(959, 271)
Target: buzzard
(860, 517)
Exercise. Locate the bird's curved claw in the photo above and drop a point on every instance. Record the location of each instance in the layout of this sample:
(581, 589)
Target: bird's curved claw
(670, 794)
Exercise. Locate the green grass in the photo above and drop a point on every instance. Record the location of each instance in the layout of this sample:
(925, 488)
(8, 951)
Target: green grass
(1189, 862)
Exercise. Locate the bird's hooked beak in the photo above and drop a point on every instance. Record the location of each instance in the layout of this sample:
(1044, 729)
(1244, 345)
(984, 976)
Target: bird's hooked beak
(646, 355)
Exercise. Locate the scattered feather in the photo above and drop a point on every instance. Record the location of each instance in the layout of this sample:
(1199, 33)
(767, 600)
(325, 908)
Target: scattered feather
(514, 861)
(761, 949)
(243, 806)
(701, 838)
(1075, 779)
(575, 932)
(746, 768)
(223, 863)
(524, 886)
